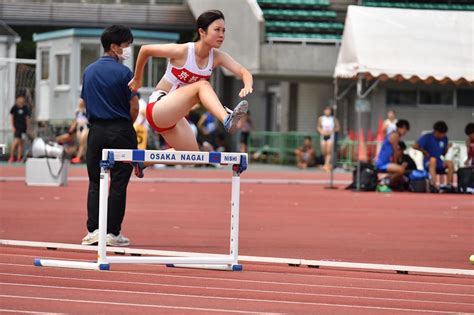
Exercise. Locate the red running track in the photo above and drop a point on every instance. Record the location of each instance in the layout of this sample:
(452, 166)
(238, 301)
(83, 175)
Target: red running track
(148, 289)
(294, 221)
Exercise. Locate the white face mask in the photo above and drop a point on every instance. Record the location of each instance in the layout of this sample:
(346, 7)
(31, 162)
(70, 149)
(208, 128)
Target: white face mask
(126, 53)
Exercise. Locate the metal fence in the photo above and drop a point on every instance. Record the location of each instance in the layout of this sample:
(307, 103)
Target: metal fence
(278, 148)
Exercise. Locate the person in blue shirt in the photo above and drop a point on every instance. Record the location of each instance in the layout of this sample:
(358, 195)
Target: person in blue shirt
(390, 153)
(111, 109)
(434, 145)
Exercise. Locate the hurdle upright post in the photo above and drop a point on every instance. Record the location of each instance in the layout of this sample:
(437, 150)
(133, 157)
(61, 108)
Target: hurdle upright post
(235, 214)
(105, 165)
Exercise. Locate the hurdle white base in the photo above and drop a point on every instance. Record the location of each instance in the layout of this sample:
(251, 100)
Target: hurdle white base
(71, 264)
(215, 263)
(171, 260)
(230, 267)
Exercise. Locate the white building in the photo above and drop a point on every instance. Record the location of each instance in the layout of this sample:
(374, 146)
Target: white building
(8, 41)
(62, 57)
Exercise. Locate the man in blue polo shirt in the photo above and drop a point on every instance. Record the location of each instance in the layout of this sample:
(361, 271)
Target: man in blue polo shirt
(111, 109)
(434, 145)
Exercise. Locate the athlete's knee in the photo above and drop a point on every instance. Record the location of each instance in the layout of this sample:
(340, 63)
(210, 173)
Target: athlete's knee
(203, 84)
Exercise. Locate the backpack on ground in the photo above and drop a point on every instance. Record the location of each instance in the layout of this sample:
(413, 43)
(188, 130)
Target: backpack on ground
(419, 181)
(368, 178)
(466, 180)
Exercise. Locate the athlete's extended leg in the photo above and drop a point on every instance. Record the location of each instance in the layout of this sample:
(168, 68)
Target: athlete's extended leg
(170, 109)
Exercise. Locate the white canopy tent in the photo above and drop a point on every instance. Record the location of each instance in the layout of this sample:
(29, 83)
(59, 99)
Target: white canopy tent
(403, 44)
(407, 44)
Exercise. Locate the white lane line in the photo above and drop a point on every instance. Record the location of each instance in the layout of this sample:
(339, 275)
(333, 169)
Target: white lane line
(135, 304)
(232, 299)
(229, 298)
(272, 260)
(236, 289)
(406, 282)
(2, 310)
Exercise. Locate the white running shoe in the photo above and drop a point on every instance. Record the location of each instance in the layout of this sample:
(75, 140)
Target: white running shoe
(118, 240)
(92, 238)
(230, 123)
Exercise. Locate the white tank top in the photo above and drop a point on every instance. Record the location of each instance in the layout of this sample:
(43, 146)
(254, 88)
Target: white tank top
(190, 72)
(327, 123)
(391, 125)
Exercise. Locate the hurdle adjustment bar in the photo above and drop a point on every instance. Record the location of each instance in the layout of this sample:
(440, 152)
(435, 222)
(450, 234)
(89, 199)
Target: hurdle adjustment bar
(110, 157)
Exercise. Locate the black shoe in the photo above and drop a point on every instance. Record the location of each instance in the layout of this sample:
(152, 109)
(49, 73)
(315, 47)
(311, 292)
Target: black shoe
(433, 189)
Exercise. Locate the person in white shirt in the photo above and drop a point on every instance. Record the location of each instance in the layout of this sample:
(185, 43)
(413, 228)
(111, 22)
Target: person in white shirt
(390, 124)
(327, 126)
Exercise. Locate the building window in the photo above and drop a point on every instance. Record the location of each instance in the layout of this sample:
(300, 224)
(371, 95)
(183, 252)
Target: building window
(44, 64)
(89, 54)
(465, 97)
(426, 96)
(401, 98)
(436, 97)
(62, 62)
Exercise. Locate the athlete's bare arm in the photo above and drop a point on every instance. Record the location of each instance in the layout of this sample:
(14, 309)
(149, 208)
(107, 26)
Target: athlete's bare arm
(225, 60)
(394, 140)
(175, 52)
(320, 126)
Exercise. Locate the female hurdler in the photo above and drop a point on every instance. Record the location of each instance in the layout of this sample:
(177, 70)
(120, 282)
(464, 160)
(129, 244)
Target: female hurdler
(185, 84)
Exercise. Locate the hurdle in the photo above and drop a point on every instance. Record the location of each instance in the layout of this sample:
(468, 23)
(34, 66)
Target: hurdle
(238, 161)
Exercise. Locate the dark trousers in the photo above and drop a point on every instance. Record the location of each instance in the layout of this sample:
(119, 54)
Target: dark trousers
(117, 134)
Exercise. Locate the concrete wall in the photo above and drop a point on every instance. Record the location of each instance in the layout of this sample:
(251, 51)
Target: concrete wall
(296, 60)
(312, 98)
(421, 118)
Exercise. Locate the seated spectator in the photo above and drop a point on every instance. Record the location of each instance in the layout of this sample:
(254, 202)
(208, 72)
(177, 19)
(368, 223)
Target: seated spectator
(434, 145)
(305, 154)
(207, 129)
(470, 144)
(68, 141)
(74, 141)
(82, 131)
(390, 154)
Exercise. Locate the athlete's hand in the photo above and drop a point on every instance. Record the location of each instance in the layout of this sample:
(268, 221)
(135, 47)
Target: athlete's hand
(245, 91)
(134, 84)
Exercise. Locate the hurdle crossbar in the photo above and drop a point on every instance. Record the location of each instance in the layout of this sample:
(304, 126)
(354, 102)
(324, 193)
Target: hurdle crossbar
(110, 157)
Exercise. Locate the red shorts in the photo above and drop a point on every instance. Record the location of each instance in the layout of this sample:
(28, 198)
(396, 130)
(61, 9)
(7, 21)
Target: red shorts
(149, 115)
